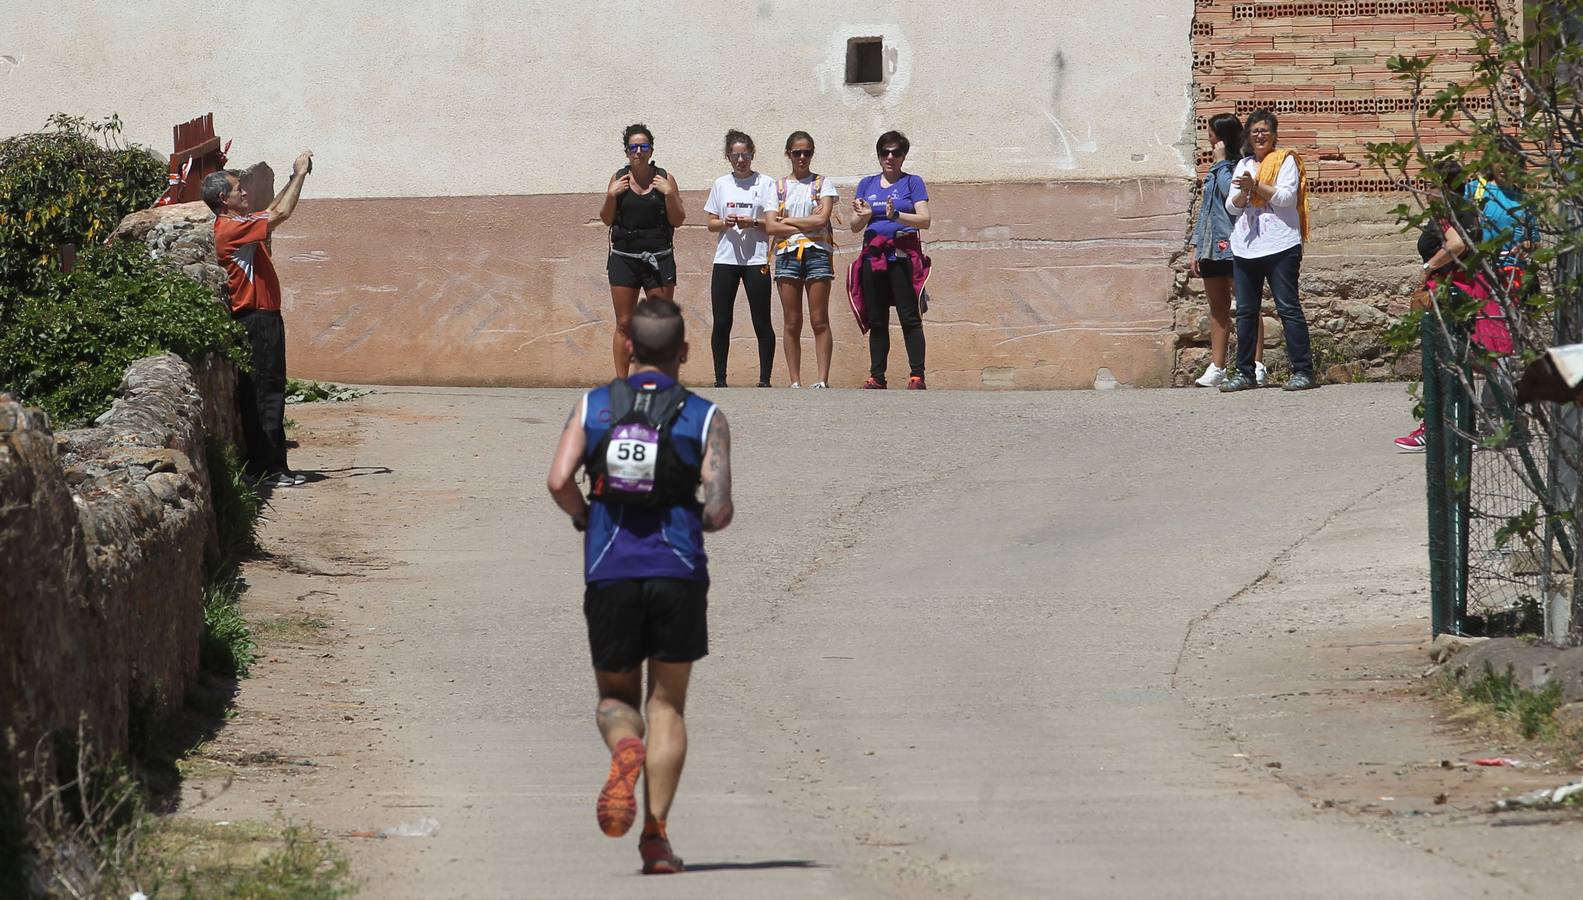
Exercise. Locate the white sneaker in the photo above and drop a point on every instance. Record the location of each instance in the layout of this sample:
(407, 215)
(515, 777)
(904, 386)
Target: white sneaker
(1260, 374)
(1212, 376)
(818, 384)
(794, 384)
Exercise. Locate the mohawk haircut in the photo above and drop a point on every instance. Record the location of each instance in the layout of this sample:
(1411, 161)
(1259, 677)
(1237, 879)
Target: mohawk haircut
(657, 331)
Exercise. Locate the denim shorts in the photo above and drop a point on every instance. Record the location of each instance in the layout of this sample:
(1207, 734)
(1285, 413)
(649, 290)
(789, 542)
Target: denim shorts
(815, 265)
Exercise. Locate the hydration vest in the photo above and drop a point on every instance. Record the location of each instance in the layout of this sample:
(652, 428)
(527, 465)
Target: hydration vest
(618, 232)
(636, 461)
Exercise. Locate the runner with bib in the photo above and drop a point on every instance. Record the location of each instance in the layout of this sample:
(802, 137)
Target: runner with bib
(799, 229)
(648, 445)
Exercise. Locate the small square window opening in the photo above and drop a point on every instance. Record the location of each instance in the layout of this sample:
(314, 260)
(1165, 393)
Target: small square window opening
(865, 60)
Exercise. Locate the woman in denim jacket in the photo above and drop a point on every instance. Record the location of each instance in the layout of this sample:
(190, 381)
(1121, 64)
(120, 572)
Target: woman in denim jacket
(1211, 249)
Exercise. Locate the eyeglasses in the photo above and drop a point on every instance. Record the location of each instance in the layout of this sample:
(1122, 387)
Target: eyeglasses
(639, 148)
(799, 154)
(1260, 133)
(748, 155)
(893, 151)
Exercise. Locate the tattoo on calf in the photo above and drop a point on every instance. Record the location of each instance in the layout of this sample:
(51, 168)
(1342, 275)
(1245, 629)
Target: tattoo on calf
(614, 712)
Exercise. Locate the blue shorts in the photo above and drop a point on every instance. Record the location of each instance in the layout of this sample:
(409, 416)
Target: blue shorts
(815, 265)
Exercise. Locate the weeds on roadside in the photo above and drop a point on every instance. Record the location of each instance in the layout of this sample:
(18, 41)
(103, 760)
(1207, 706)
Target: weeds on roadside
(94, 836)
(304, 391)
(236, 504)
(83, 819)
(227, 645)
(1533, 713)
(191, 859)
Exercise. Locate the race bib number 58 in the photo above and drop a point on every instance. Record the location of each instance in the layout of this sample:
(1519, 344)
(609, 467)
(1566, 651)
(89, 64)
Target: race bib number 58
(630, 461)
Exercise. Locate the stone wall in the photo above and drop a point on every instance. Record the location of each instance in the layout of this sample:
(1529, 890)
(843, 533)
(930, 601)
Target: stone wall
(183, 236)
(1359, 273)
(103, 532)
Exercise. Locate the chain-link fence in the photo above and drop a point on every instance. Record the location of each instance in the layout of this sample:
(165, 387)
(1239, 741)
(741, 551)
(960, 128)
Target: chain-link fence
(1501, 490)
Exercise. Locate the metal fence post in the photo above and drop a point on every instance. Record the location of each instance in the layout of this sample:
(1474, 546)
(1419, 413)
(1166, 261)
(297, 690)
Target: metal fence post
(1442, 617)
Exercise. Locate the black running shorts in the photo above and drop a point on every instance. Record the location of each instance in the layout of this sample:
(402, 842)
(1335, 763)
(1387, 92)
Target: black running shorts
(1214, 268)
(630, 620)
(624, 271)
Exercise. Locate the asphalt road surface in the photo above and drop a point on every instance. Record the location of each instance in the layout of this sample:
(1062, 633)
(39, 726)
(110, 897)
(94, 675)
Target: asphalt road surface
(945, 629)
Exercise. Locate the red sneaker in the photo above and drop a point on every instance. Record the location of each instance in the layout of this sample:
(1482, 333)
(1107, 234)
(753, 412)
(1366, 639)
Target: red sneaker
(617, 808)
(658, 859)
(873, 384)
(915, 383)
(1416, 442)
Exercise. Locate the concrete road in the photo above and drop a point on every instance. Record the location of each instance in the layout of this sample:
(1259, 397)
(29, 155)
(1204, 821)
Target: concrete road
(945, 628)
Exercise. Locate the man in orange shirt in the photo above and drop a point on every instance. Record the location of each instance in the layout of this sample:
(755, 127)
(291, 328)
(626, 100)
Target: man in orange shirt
(240, 241)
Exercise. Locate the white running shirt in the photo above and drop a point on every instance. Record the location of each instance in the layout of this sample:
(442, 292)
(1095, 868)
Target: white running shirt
(751, 197)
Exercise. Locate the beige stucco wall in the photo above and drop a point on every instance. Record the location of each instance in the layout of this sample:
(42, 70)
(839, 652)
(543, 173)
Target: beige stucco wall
(450, 231)
(448, 98)
(1034, 286)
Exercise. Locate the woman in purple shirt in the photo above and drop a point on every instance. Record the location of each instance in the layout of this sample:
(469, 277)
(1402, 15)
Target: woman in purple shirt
(890, 209)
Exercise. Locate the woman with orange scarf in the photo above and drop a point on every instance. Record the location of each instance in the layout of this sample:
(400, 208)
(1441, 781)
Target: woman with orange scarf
(1269, 211)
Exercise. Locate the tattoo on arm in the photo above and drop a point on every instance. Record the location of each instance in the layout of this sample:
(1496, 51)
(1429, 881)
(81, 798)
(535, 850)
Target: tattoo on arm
(717, 475)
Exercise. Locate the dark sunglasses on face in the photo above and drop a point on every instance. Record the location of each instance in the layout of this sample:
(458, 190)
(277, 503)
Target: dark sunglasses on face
(799, 154)
(893, 151)
(639, 148)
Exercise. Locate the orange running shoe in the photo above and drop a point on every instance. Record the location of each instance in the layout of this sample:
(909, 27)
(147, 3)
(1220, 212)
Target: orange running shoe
(873, 384)
(657, 856)
(617, 808)
(915, 383)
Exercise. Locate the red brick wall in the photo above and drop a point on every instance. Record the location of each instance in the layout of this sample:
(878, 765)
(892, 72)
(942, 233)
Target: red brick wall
(1321, 68)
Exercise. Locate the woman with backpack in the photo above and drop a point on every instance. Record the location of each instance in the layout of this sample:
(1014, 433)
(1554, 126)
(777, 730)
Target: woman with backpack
(799, 229)
(643, 208)
(737, 205)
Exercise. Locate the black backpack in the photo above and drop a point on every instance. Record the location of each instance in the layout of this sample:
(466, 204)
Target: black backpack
(635, 463)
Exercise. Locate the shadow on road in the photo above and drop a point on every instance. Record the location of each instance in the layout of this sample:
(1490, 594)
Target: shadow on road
(751, 866)
(314, 476)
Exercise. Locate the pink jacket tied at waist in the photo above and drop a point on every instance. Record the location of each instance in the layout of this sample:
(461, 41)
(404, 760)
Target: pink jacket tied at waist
(1490, 330)
(877, 250)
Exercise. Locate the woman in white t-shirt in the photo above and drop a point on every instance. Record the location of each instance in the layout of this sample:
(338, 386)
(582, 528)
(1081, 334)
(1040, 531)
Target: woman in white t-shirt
(803, 245)
(737, 205)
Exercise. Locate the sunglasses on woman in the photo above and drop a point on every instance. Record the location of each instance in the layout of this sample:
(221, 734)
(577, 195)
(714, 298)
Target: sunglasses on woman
(799, 154)
(639, 148)
(893, 151)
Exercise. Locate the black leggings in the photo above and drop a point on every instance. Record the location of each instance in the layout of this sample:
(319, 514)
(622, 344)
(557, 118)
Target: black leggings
(881, 291)
(723, 297)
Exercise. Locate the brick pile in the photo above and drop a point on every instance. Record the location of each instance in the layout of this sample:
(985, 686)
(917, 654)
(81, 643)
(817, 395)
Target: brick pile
(1322, 68)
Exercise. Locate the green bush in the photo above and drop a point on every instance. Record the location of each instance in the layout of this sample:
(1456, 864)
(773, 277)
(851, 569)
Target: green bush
(71, 185)
(68, 345)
